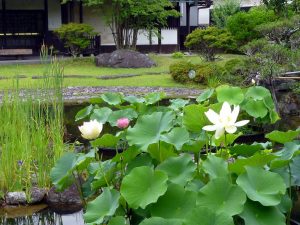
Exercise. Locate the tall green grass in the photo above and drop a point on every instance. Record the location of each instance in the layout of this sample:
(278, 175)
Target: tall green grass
(31, 130)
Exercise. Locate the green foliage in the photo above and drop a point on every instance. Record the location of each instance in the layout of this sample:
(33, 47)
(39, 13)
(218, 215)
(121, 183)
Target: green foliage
(205, 71)
(209, 41)
(75, 36)
(242, 25)
(177, 55)
(171, 171)
(281, 31)
(180, 71)
(224, 9)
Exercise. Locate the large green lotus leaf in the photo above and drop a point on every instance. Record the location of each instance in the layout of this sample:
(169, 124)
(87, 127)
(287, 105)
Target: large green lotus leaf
(215, 167)
(133, 99)
(232, 95)
(254, 108)
(262, 186)
(112, 98)
(256, 214)
(176, 203)
(104, 174)
(178, 103)
(106, 141)
(83, 160)
(194, 118)
(295, 170)
(160, 221)
(179, 169)
(61, 173)
(286, 204)
(148, 129)
(245, 150)
(194, 185)
(257, 92)
(143, 186)
(141, 160)
(124, 113)
(259, 159)
(282, 137)
(222, 197)
(83, 113)
(205, 95)
(285, 155)
(104, 205)
(194, 146)
(206, 216)
(101, 115)
(118, 220)
(154, 97)
(177, 137)
(127, 155)
(161, 151)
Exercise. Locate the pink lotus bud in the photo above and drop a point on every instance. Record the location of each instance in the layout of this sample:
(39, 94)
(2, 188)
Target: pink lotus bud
(123, 123)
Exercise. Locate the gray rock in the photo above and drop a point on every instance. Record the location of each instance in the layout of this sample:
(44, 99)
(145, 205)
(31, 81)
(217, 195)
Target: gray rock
(69, 196)
(124, 59)
(15, 198)
(37, 195)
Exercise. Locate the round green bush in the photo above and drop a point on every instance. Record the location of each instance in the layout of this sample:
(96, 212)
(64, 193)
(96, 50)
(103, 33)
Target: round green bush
(235, 66)
(206, 71)
(180, 71)
(177, 55)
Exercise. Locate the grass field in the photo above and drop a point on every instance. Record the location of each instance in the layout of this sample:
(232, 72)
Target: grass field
(86, 67)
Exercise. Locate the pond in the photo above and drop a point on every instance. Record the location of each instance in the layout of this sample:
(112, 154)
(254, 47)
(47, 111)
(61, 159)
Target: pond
(38, 215)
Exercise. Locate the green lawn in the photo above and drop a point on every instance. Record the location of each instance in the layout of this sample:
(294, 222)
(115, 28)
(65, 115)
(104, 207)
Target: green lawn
(87, 67)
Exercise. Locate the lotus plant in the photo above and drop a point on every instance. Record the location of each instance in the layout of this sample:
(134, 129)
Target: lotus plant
(91, 130)
(224, 121)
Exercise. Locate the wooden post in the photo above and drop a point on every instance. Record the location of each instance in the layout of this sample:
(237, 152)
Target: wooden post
(80, 12)
(188, 11)
(4, 22)
(45, 17)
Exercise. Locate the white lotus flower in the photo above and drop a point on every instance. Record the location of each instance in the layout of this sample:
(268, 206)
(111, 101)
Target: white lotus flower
(225, 121)
(91, 130)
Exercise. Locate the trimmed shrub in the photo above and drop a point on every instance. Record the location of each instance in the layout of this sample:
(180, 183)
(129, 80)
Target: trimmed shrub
(243, 25)
(75, 36)
(207, 71)
(177, 55)
(180, 71)
(235, 66)
(208, 42)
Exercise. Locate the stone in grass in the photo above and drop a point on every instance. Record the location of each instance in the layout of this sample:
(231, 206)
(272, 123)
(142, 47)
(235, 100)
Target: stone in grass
(70, 196)
(37, 195)
(124, 59)
(15, 198)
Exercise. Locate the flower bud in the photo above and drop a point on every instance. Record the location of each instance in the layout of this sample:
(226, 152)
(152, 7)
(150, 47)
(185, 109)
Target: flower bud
(91, 130)
(123, 123)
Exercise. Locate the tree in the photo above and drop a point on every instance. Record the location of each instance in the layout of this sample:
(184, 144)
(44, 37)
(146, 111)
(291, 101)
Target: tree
(281, 31)
(75, 36)
(208, 42)
(223, 9)
(279, 6)
(242, 25)
(126, 17)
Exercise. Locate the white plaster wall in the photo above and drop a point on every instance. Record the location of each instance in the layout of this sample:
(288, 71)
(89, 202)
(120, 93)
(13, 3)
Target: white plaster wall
(194, 16)
(248, 3)
(169, 36)
(25, 4)
(93, 17)
(54, 14)
(143, 38)
(203, 16)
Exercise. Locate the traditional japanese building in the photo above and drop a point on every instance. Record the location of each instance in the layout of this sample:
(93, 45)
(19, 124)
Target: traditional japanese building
(26, 24)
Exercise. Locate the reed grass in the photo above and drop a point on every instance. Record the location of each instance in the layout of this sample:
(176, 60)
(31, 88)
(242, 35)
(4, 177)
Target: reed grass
(31, 130)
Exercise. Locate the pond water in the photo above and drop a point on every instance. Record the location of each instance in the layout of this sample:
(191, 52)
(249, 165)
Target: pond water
(38, 215)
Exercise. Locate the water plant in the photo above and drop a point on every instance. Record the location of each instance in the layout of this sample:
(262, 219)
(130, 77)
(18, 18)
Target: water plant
(168, 170)
(31, 132)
